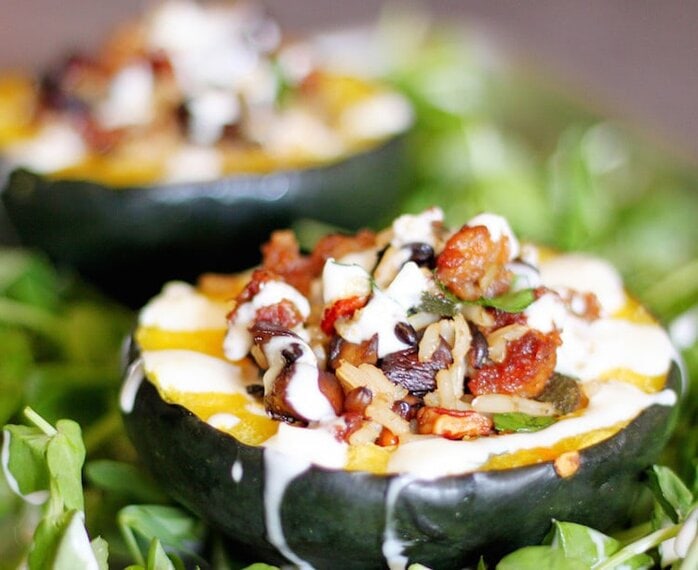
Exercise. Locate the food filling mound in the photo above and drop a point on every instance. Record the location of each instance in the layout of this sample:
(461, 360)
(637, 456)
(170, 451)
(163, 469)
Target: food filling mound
(192, 92)
(418, 349)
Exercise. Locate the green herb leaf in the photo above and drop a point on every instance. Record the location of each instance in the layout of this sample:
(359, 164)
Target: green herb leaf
(519, 422)
(65, 455)
(174, 527)
(670, 492)
(125, 480)
(514, 302)
(582, 543)
(539, 558)
(438, 305)
(25, 469)
(101, 552)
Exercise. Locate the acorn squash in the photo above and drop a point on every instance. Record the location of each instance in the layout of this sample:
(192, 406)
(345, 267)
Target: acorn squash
(337, 518)
(448, 351)
(177, 231)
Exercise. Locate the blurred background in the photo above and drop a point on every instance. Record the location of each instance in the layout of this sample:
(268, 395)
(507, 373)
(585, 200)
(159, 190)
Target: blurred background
(634, 60)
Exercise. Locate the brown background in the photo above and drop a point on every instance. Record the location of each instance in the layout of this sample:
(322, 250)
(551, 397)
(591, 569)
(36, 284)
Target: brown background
(635, 59)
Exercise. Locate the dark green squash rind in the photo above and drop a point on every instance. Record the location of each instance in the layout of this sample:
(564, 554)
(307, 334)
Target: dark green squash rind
(336, 519)
(178, 231)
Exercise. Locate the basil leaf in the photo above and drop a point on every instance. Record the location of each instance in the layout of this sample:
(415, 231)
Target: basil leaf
(519, 422)
(670, 492)
(514, 302)
(539, 558)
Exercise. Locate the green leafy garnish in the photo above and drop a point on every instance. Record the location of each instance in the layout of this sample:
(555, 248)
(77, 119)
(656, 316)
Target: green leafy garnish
(519, 422)
(445, 304)
(513, 302)
(438, 305)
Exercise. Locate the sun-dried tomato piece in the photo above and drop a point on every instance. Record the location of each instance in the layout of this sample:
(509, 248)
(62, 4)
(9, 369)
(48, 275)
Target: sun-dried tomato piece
(452, 424)
(284, 313)
(341, 309)
(504, 319)
(529, 362)
(471, 265)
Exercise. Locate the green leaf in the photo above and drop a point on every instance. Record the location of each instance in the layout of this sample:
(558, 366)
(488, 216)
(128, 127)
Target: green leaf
(438, 304)
(24, 461)
(510, 302)
(65, 455)
(124, 479)
(47, 539)
(157, 557)
(174, 527)
(582, 543)
(520, 422)
(670, 492)
(481, 564)
(539, 558)
(100, 548)
(263, 566)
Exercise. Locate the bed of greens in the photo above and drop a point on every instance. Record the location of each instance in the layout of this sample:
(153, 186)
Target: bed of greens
(486, 138)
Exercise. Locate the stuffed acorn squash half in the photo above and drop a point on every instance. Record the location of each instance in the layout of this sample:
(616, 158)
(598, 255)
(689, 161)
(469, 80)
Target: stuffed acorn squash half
(418, 395)
(192, 128)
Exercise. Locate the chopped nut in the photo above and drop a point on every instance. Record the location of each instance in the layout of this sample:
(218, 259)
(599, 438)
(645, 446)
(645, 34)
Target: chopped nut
(453, 424)
(567, 464)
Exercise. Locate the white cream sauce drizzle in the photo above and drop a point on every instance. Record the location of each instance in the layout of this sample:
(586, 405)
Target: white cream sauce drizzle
(56, 146)
(585, 273)
(236, 471)
(393, 548)
(280, 470)
(386, 309)
(193, 372)
(238, 340)
(34, 498)
(180, 307)
(341, 281)
(134, 376)
(611, 403)
(289, 453)
(590, 348)
(303, 390)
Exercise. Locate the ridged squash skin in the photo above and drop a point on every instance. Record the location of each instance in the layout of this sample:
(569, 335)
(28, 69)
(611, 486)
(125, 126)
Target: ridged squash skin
(178, 231)
(336, 518)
